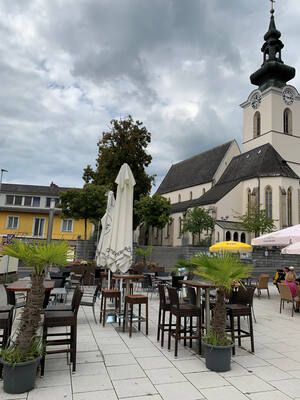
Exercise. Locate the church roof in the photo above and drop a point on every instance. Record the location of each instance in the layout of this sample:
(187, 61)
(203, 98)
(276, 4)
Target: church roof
(263, 161)
(194, 171)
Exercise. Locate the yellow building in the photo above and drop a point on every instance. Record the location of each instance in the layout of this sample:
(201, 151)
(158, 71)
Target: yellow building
(24, 212)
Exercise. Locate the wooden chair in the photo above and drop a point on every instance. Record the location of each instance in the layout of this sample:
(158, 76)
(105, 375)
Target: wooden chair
(89, 300)
(285, 295)
(64, 319)
(132, 299)
(263, 284)
(184, 311)
(16, 300)
(241, 307)
(164, 306)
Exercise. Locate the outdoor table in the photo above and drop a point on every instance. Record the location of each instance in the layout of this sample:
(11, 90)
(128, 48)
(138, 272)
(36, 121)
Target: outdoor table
(207, 286)
(25, 286)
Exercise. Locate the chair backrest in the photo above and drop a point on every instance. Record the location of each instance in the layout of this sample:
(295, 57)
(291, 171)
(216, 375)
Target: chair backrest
(11, 296)
(148, 281)
(81, 280)
(173, 296)
(97, 273)
(175, 281)
(263, 281)
(76, 299)
(192, 295)
(59, 282)
(244, 295)
(285, 292)
(162, 294)
(97, 290)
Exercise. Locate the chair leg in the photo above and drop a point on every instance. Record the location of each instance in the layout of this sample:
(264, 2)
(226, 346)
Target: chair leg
(159, 322)
(251, 333)
(124, 316)
(177, 335)
(44, 353)
(280, 306)
(184, 340)
(170, 329)
(104, 312)
(131, 316)
(94, 313)
(74, 342)
(268, 293)
(147, 319)
(232, 333)
(101, 309)
(163, 322)
(239, 330)
(200, 334)
(191, 331)
(252, 310)
(140, 314)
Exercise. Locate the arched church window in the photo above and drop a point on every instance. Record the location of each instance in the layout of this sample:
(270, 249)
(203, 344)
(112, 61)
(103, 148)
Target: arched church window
(287, 121)
(179, 198)
(218, 236)
(243, 237)
(228, 235)
(248, 200)
(203, 191)
(268, 201)
(191, 195)
(289, 206)
(256, 124)
(180, 226)
(236, 237)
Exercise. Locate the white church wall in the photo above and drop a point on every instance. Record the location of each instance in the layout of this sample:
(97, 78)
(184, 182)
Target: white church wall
(185, 194)
(231, 204)
(177, 237)
(288, 147)
(233, 151)
(287, 183)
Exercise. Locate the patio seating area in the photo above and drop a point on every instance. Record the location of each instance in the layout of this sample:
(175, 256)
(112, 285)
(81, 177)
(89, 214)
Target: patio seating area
(111, 365)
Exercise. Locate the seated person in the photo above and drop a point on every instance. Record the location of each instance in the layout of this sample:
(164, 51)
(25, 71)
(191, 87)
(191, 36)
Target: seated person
(292, 270)
(279, 277)
(290, 281)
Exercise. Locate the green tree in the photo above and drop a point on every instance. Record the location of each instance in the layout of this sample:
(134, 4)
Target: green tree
(222, 270)
(256, 221)
(37, 256)
(126, 141)
(88, 203)
(197, 220)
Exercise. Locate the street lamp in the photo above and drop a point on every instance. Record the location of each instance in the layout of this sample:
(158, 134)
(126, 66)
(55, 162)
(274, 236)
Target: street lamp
(2, 170)
(50, 223)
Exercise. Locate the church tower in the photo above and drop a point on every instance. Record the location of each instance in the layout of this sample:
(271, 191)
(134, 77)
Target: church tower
(272, 111)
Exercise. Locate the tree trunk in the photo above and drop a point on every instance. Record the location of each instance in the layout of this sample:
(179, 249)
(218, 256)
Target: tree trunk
(31, 315)
(219, 319)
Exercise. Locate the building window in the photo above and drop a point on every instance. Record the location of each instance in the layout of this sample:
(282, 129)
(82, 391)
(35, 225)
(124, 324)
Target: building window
(9, 199)
(248, 200)
(180, 226)
(48, 201)
(287, 121)
(67, 225)
(268, 201)
(203, 191)
(191, 195)
(256, 124)
(27, 201)
(38, 226)
(243, 237)
(36, 201)
(179, 198)
(228, 235)
(289, 206)
(12, 222)
(236, 237)
(18, 201)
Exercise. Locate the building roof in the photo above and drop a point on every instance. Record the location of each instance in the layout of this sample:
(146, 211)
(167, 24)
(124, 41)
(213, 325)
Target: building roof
(229, 225)
(194, 171)
(52, 190)
(263, 161)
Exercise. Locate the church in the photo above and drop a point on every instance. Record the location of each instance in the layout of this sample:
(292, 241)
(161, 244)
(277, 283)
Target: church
(225, 180)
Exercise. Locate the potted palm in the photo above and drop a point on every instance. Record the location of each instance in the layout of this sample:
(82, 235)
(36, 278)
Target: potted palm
(21, 359)
(222, 270)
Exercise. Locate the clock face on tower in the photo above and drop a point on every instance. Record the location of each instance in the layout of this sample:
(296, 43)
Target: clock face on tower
(288, 96)
(256, 100)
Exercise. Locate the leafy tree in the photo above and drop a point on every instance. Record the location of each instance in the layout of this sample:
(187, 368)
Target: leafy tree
(88, 203)
(197, 220)
(126, 141)
(154, 211)
(256, 221)
(143, 254)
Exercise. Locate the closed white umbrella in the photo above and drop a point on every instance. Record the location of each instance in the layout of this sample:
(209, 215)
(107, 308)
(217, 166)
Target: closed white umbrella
(106, 223)
(283, 237)
(291, 249)
(119, 250)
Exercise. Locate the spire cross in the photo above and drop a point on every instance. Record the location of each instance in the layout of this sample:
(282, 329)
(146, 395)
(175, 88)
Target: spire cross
(272, 6)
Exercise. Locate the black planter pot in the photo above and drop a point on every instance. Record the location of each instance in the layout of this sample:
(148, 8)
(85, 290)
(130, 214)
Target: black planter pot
(217, 358)
(20, 377)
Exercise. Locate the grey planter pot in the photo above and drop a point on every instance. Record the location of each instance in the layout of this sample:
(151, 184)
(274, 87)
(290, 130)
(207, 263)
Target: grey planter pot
(20, 377)
(217, 358)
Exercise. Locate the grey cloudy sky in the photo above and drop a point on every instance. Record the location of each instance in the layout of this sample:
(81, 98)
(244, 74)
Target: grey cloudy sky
(67, 67)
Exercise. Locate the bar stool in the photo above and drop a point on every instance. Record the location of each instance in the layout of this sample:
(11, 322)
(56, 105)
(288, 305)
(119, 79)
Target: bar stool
(132, 299)
(164, 306)
(62, 319)
(110, 294)
(241, 307)
(130, 287)
(185, 311)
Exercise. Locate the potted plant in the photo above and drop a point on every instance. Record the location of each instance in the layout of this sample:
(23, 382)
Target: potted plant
(183, 265)
(21, 359)
(222, 270)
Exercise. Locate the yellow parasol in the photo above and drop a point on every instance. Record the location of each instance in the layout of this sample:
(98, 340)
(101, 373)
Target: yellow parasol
(231, 246)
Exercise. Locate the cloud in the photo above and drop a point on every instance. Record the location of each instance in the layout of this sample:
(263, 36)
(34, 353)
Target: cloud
(182, 67)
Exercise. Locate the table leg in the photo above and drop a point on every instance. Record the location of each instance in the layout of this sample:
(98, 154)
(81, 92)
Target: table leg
(207, 310)
(198, 300)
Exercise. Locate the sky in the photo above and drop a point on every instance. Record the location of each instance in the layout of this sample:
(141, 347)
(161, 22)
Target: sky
(182, 67)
